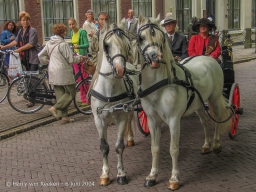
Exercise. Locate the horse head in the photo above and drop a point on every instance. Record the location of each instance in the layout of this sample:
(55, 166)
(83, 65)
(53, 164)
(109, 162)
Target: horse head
(151, 40)
(116, 46)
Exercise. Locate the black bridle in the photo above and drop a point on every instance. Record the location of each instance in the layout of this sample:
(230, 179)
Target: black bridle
(119, 32)
(152, 27)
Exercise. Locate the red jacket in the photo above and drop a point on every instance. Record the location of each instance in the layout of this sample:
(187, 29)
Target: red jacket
(196, 46)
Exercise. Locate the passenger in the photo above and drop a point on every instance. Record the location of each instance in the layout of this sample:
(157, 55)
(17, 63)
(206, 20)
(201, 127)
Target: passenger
(80, 42)
(7, 36)
(204, 43)
(27, 43)
(177, 42)
(59, 56)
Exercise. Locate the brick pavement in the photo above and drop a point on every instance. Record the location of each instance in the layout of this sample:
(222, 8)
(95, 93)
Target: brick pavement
(70, 153)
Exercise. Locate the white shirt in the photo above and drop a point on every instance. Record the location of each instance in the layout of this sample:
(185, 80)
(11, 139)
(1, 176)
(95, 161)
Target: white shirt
(170, 35)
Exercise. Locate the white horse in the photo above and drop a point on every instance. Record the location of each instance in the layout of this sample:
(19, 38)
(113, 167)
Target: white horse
(170, 99)
(110, 86)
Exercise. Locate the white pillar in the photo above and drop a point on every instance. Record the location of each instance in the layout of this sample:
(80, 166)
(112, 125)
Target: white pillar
(118, 10)
(154, 9)
(221, 14)
(245, 14)
(168, 7)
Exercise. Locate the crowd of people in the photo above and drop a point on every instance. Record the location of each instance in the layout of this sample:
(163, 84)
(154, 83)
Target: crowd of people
(63, 62)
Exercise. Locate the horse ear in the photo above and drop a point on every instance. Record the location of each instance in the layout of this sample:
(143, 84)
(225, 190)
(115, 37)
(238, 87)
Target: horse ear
(122, 24)
(158, 18)
(141, 19)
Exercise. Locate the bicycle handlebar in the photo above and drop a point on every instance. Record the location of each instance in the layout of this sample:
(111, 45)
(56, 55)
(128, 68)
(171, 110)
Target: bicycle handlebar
(6, 51)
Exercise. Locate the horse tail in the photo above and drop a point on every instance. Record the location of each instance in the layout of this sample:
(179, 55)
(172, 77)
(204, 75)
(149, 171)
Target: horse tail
(224, 114)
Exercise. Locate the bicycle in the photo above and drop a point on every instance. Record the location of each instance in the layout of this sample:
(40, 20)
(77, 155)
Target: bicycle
(27, 87)
(84, 85)
(4, 78)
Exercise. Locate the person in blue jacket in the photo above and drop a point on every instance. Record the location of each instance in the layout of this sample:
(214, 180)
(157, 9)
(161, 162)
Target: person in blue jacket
(8, 36)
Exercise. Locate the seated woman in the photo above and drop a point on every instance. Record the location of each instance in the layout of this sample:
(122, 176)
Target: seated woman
(204, 43)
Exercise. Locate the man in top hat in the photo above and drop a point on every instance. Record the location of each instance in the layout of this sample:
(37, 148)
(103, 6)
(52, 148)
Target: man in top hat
(177, 42)
(204, 43)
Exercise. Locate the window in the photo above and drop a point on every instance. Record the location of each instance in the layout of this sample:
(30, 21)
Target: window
(233, 14)
(9, 10)
(56, 11)
(253, 13)
(210, 9)
(108, 6)
(143, 7)
(183, 14)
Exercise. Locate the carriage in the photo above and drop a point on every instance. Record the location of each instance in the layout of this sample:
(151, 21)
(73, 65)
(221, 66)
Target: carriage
(230, 91)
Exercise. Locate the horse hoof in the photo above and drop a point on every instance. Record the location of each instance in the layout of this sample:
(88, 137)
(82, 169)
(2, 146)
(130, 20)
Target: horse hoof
(122, 180)
(130, 143)
(217, 150)
(205, 151)
(150, 183)
(173, 185)
(104, 181)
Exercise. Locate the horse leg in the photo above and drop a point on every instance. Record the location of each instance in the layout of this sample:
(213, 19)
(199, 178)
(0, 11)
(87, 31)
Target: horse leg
(129, 132)
(155, 133)
(174, 151)
(104, 147)
(206, 148)
(121, 175)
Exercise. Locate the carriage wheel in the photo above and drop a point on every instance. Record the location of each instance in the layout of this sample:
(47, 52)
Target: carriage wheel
(234, 100)
(142, 121)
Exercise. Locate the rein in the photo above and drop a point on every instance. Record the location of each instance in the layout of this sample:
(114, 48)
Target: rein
(188, 83)
(127, 80)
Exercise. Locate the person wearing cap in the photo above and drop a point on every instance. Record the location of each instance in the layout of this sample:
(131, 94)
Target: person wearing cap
(177, 42)
(204, 43)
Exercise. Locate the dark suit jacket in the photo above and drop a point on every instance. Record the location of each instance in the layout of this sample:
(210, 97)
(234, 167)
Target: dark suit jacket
(179, 45)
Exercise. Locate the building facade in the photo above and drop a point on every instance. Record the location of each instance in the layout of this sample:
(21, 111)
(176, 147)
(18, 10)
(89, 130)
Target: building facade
(232, 15)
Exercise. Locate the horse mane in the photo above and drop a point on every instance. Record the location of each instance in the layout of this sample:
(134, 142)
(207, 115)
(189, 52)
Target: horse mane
(124, 45)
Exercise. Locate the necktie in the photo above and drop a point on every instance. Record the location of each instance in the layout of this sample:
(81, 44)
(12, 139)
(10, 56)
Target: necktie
(170, 39)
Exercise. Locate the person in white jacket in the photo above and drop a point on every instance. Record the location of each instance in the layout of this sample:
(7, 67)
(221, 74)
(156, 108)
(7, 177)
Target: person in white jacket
(59, 56)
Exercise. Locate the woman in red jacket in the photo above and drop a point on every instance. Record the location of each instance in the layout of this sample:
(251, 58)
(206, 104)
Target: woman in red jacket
(204, 43)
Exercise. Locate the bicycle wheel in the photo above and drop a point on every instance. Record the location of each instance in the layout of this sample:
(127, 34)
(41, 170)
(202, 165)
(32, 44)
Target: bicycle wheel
(82, 86)
(18, 95)
(4, 84)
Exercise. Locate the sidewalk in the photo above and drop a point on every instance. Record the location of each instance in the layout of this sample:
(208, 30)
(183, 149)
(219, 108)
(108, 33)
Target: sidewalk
(13, 122)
